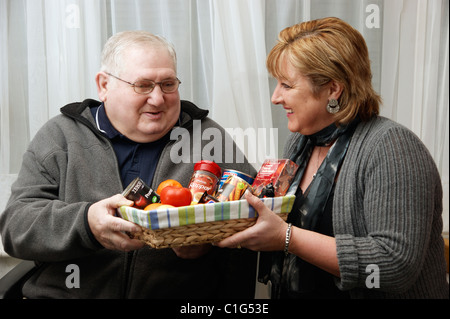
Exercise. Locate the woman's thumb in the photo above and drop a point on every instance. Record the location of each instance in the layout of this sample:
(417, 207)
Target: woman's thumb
(255, 202)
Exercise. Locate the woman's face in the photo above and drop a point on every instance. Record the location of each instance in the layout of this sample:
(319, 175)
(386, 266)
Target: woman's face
(306, 112)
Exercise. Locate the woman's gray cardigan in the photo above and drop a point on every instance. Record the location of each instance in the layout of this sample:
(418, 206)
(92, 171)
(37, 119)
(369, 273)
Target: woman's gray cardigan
(387, 215)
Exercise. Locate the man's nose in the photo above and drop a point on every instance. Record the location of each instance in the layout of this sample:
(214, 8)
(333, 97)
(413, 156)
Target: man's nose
(156, 96)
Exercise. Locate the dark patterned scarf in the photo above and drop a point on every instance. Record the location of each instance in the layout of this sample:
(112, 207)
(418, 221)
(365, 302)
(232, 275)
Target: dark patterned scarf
(309, 206)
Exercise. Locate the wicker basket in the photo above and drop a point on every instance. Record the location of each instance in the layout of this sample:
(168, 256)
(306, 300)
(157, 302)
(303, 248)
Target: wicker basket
(198, 224)
(194, 234)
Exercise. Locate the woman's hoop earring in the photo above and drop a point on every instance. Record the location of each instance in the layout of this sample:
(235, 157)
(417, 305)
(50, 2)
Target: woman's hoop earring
(333, 106)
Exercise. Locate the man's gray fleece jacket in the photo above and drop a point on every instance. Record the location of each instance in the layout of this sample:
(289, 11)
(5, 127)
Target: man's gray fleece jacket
(68, 166)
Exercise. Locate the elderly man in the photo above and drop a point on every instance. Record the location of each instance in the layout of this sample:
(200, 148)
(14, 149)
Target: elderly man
(62, 208)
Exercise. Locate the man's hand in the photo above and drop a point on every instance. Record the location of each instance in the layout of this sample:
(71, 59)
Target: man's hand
(109, 229)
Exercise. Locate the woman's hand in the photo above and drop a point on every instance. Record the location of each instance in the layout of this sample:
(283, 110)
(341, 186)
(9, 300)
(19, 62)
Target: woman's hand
(268, 234)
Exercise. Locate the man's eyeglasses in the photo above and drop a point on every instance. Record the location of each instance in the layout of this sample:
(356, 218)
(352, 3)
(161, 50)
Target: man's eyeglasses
(147, 86)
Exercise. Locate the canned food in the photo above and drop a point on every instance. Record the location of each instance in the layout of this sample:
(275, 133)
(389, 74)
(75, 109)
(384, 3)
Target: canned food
(204, 179)
(229, 172)
(233, 188)
(207, 199)
(140, 193)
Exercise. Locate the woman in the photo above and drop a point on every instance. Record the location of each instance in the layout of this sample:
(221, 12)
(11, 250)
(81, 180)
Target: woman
(367, 221)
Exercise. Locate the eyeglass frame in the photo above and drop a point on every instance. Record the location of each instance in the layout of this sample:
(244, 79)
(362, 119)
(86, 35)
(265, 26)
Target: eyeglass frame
(156, 83)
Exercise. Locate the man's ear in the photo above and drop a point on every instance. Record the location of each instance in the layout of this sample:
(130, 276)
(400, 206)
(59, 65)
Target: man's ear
(101, 79)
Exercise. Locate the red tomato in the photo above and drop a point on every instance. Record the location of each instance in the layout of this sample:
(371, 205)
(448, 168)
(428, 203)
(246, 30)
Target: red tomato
(176, 196)
(167, 182)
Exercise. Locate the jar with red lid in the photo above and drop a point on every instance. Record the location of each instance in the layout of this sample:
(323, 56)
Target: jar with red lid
(205, 178)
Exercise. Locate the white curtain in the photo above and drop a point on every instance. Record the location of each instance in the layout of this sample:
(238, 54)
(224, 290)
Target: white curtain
(50, 52)
(415, 76)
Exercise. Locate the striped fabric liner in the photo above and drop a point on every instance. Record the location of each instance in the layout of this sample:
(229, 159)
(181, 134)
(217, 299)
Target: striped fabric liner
(196, 214)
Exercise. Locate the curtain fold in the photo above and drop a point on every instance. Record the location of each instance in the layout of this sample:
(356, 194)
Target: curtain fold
(414, 76)
(50, 53)
(5, 140)
(241, 97)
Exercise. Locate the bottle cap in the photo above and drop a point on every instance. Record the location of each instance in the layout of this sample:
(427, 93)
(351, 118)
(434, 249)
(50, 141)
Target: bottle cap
(209, 166)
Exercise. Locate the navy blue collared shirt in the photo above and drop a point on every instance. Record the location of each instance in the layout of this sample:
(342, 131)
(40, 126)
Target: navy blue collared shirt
(134, 159)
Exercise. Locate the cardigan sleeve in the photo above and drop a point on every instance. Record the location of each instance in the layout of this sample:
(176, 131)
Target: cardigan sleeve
(387, 200)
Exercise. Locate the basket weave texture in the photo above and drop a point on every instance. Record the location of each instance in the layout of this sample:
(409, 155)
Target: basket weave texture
(198, 224)
(195, 234)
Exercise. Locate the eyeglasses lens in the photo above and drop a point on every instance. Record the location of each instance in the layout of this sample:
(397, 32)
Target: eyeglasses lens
(167, 86)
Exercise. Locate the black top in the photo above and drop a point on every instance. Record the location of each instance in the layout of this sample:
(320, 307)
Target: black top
(316, 283)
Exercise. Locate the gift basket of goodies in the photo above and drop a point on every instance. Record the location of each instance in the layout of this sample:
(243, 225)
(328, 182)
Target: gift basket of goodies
(210, 208)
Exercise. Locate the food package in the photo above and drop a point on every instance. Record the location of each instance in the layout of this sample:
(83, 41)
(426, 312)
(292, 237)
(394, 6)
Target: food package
(232, 189)
(279, 172)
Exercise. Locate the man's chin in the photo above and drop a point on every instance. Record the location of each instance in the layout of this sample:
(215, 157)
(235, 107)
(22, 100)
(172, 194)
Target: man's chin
(150, 135)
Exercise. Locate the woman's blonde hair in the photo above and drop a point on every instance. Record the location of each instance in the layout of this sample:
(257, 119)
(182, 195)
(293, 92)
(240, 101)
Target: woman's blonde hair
(329, 49)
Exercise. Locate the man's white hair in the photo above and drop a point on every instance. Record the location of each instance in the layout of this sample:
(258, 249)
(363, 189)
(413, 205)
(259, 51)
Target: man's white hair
(117, 44)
